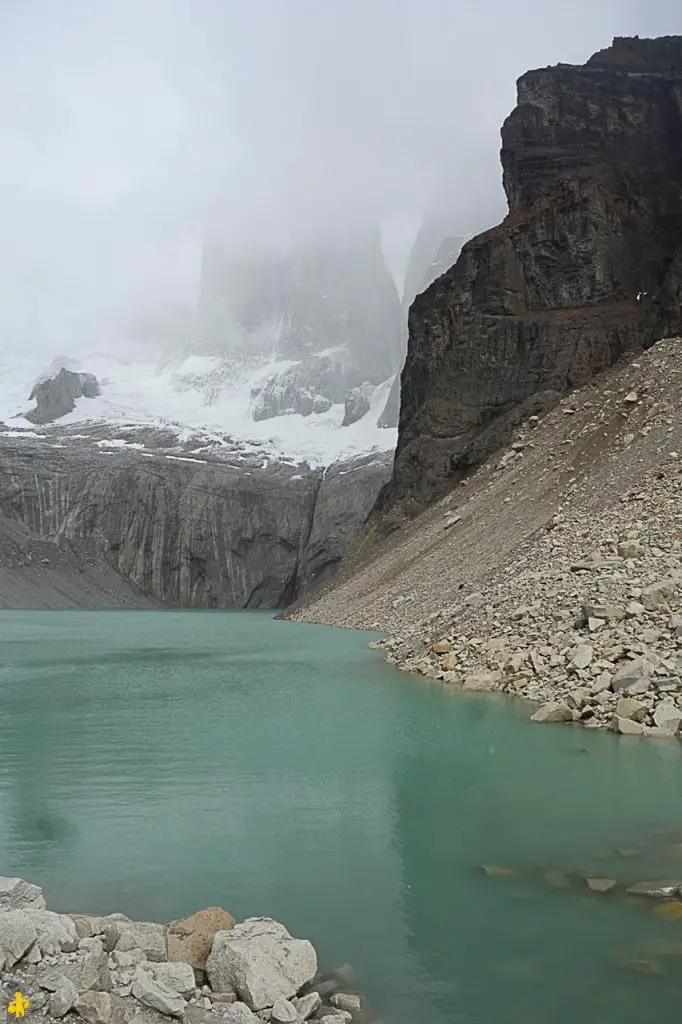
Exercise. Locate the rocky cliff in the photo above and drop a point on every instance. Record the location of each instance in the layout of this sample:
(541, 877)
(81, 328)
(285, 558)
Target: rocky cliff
(181, 530)
(587, 265)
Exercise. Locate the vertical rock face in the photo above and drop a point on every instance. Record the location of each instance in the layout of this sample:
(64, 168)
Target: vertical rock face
(586, 266)
(190, 535)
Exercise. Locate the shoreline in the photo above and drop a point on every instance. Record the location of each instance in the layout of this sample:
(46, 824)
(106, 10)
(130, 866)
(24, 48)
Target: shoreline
(204, 969)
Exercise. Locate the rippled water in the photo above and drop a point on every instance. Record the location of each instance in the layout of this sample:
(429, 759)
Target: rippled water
(157, 762)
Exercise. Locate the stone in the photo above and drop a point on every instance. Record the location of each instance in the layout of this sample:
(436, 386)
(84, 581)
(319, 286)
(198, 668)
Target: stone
(128, 935)
(668, 716)
(95, 974)
(552, 711)
(442, 647)
(158, 997)
(17, 935)
(631, 549)
(100, 1008)
(609, 612)
(63, 998)
(658, 889)
(581, 657)
(307, 1005)
(633, 673)
(261, 961)
(190, 939)
(56, 396)
(54, 930)
(334, 1016)
(481, 681)
(626, 727)
(198, 1015)
(230, 996)
(634, 609)
(357, 404)
(16, 894)
(176, 976)
(658, 594)
(87, 926)
(347, 1001)
(283, 1012)
(601, 884)
(628, 707)
(240, 1013)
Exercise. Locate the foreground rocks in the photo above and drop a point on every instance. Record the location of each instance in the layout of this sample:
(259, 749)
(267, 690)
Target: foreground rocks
(111, 970)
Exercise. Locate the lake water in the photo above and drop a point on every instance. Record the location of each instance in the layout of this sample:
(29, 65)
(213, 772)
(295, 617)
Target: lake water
(158, 762)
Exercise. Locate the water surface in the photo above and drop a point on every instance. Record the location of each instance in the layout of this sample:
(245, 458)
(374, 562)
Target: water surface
(157, 762)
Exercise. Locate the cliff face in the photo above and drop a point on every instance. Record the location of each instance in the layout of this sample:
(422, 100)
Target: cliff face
(183, 531)
(586, 266)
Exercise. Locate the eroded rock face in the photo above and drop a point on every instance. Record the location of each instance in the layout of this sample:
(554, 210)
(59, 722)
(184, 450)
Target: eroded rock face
(187, 533)
(56, 396)
(587, 265)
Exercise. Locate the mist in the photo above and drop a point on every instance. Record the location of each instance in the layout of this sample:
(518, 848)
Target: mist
(131, 130)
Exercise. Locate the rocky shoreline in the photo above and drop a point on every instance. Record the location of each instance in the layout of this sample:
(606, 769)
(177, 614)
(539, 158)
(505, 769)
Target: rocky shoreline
(204, 969)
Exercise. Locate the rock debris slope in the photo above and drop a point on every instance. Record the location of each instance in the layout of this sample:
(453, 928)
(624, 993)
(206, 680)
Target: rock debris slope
(554, 572)
(587, 265)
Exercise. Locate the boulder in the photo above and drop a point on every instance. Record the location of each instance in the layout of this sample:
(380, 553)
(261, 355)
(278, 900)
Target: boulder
(581, 657)
(632, 675)
(63, 998)
(100, 1008)
(190, 939)
(307, 1005)
(357, 404)
(176, 976)
(658, 594)
(284, 1012)
(54, 930)
(608, 612)
(601, 884)
(628, 707)
(631, 549)
(347, 1001)
(17, 935)
(239, 1013)
(95, 974)
(158, 997)
(626, 727)
(481, 681)
(261, 961)
(552, 711)
(16, 894)
(658, 889)
(127, 935)
(668, 716)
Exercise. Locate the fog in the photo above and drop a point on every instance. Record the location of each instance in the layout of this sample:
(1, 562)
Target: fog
(131, 129)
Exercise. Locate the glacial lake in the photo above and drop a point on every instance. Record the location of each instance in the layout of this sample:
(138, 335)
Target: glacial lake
(158, 762)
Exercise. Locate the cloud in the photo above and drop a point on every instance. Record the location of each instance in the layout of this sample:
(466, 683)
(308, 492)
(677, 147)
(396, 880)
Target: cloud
(130, 128)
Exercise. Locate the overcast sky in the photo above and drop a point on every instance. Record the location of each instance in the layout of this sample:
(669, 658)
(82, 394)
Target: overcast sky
(130, 127)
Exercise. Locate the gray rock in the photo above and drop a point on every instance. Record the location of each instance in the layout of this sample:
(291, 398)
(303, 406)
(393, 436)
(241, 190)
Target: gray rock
(347, 1001)
(307, 1005)
(633, 673)
(52, 978)
(16, 894)
(95, 974)
(176, 976)
(100, 1008)
(261, 961)
(125, 936)
(552, 711)
(333, 1015)
(608, 612)
(54, 930)
(658, 889)
(145, 1015)
(17, 935)
(581, 657)
(63, 998)
(158, 997)
(628, 707)
(658, 594)
(631, 549)
(601, 884)
(626, 727)
(357, 404)
(481, 681)
(668, 716)
(240, 1013)
(283, 1012)
(56, 396)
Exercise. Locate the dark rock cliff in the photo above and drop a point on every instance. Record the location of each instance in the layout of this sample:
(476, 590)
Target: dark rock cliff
(183, 531)
(56, 396)
(586, 267)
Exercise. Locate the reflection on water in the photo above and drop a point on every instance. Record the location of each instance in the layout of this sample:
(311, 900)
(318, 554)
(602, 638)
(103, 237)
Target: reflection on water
(157, 762)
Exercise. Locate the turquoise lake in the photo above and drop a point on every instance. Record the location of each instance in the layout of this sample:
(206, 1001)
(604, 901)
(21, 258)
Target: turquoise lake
(158, 762)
